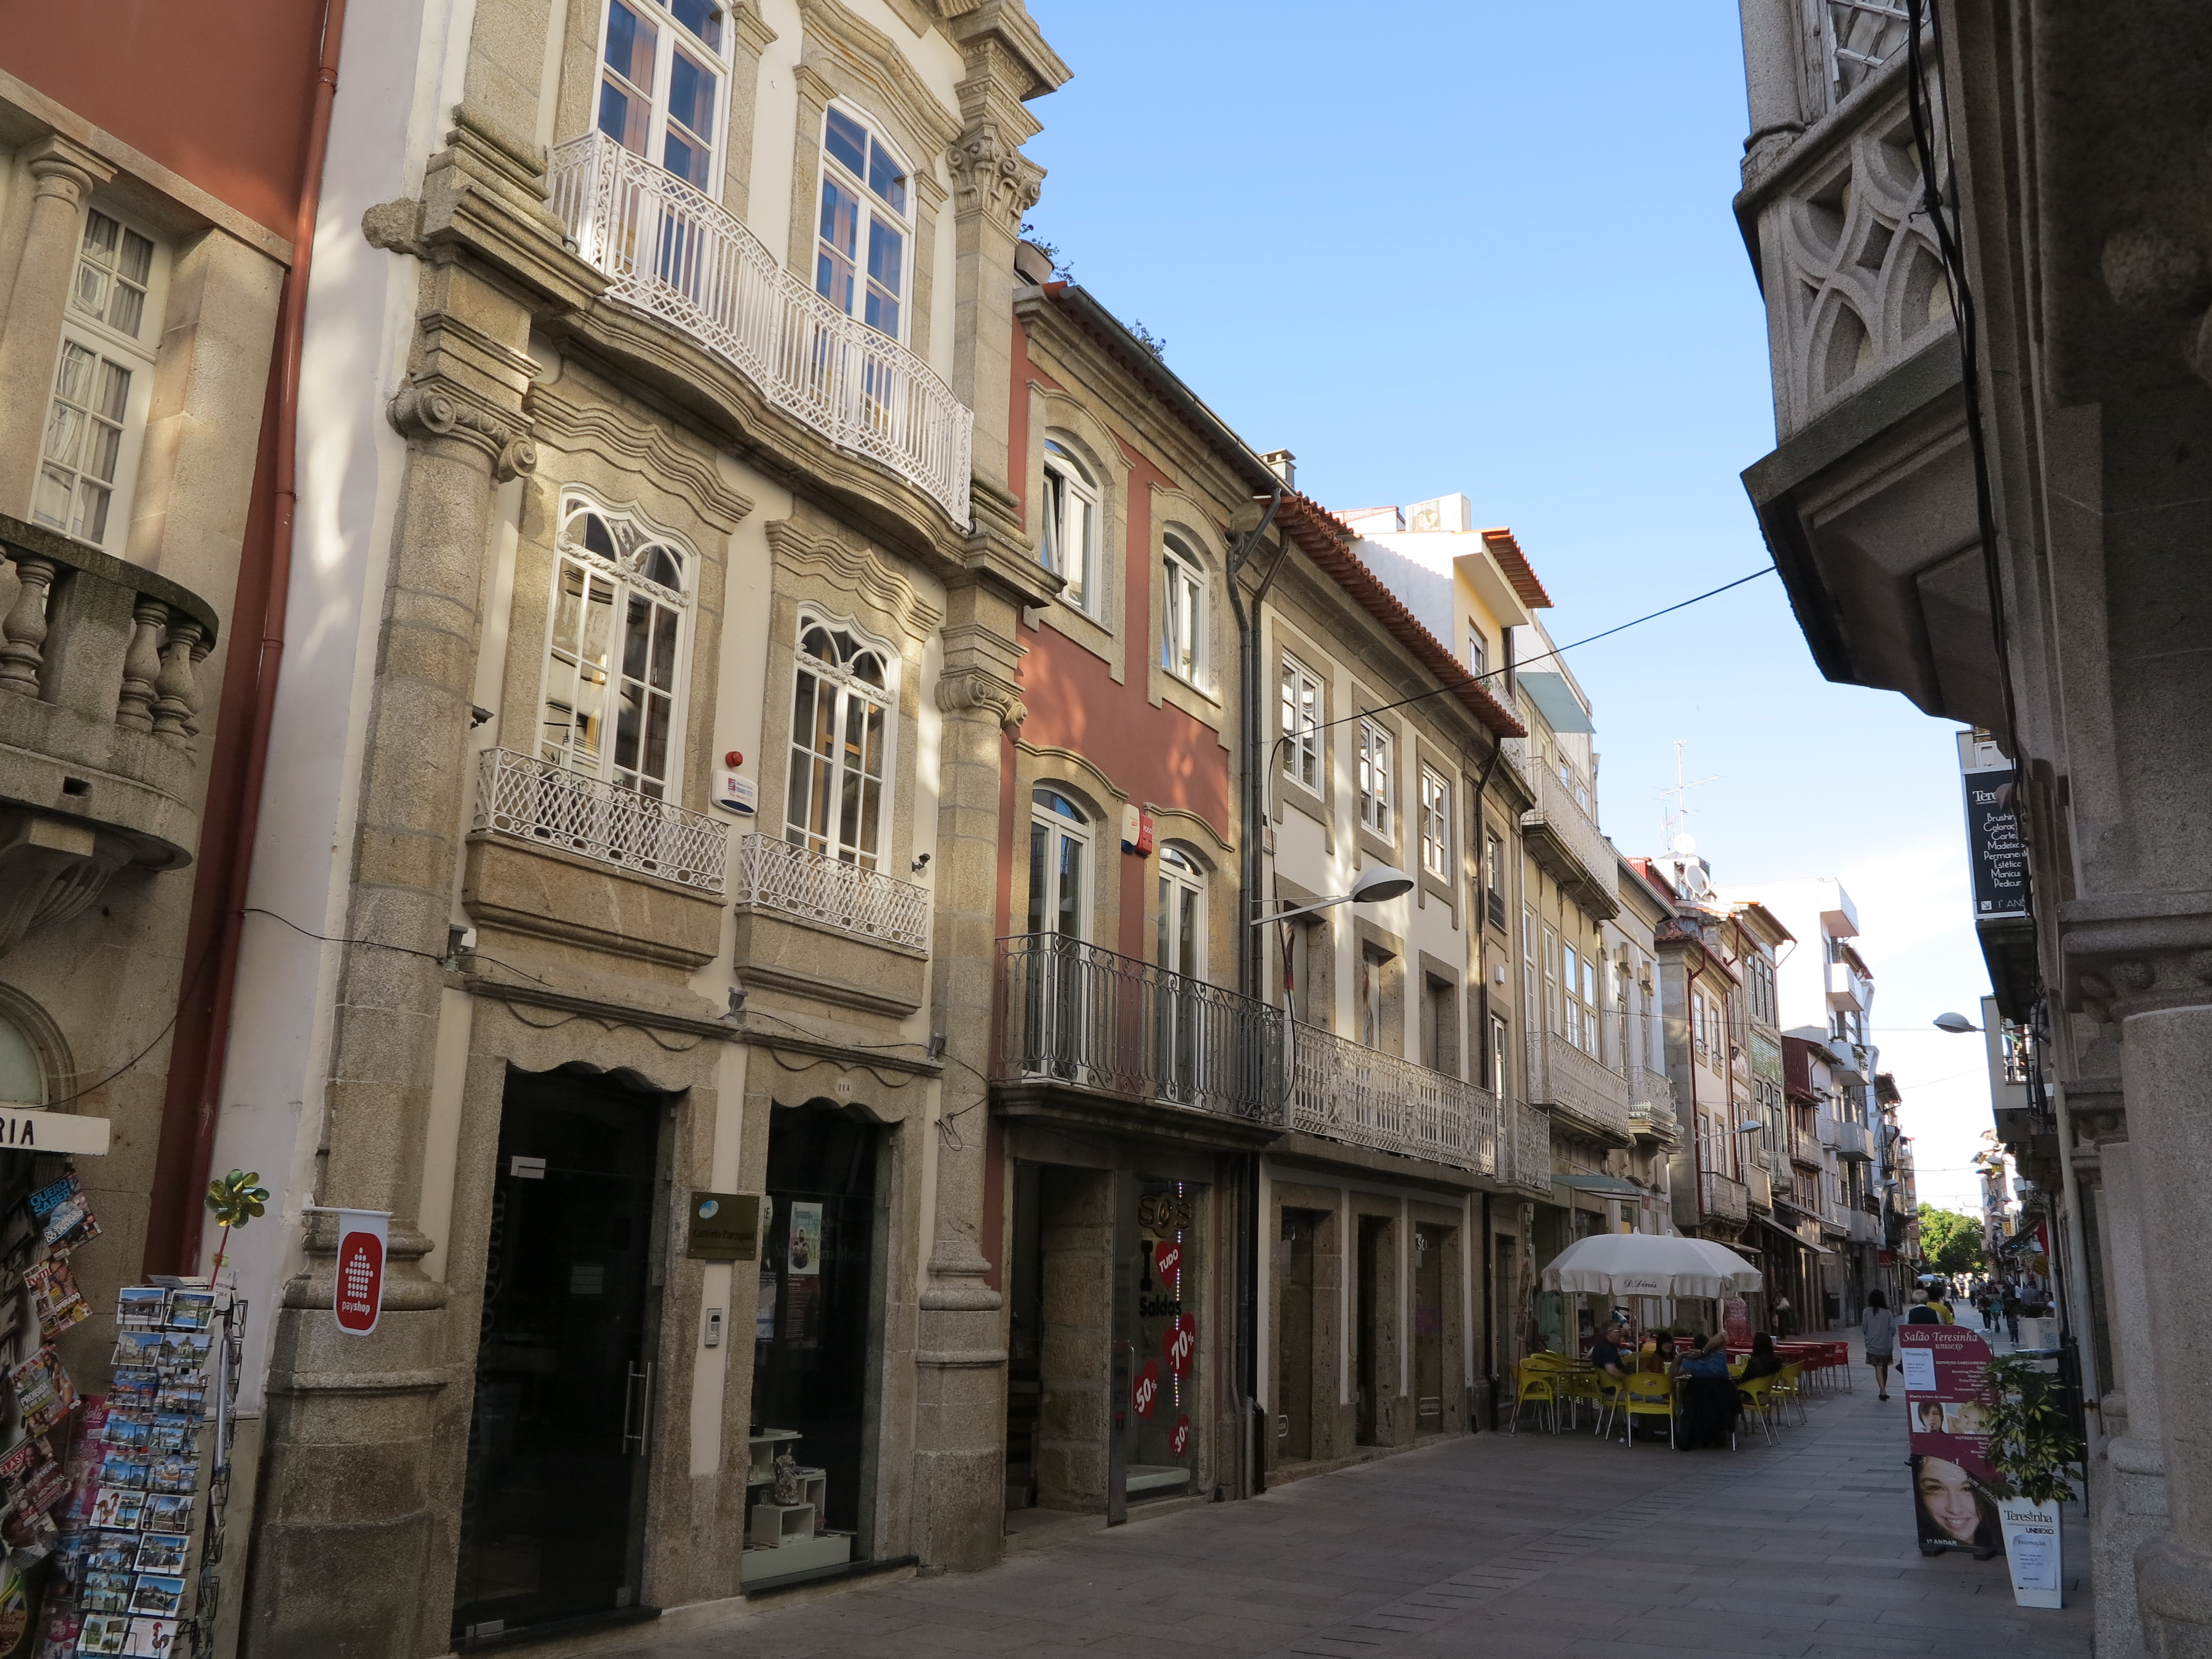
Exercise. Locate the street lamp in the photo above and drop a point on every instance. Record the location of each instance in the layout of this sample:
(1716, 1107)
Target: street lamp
(1956, 1024)
(1380, 882)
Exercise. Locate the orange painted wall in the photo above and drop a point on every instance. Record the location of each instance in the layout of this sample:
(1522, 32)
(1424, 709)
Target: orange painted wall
(218, 90)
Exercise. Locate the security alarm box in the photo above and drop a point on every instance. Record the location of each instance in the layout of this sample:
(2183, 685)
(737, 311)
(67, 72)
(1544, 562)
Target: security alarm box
(733, 793)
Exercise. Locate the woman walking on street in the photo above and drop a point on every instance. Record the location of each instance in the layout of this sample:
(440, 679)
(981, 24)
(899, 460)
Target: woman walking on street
(1881, 1339)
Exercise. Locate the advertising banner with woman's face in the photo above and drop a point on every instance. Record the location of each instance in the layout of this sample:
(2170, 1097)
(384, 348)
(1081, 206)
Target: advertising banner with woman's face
(1946, 1388)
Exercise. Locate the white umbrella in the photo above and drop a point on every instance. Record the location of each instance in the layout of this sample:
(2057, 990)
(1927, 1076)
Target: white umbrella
(1648, 1264)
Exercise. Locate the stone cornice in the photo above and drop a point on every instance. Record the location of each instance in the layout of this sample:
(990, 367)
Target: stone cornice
(1006, 27)
(644, 448)
(752, 30)
(855, 569)
(486, 191)
(896, 90)
(2130, 954)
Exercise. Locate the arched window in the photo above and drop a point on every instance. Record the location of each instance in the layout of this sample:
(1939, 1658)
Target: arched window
(22, 1070)
(1068, 543)
(840, 713)
(1060, 865)
(662, 68)
(868, 223)
(1182, 912)
(1183, 613)
(616, 651)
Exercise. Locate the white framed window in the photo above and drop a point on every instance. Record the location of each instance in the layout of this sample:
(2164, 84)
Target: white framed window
(1554, 1019)
(1570, 1005)
(617, 651)
(1478, 651)
(1181, 934)
(1068, 544)
(103, 384)
(663, 68)
(1436, 824)
(1301, 717)
(1497, 1041)
(1375, 778)
(864, 241)
(1060, 865)
(841, 699)
(1183, 613)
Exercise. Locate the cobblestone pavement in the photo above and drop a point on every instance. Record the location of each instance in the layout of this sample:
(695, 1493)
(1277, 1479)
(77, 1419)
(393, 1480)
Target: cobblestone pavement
(1491, 1545)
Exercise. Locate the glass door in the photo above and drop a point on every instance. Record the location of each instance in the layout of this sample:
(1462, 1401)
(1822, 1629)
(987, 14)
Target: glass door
(1059, 890)
(1180, 949)
(553, 1499)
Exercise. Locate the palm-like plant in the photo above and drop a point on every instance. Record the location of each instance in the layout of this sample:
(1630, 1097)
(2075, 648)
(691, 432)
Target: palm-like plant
(2031, 1444)
(235, 1199)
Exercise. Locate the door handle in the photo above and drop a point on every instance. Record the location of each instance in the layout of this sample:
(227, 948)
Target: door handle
(633, 1376)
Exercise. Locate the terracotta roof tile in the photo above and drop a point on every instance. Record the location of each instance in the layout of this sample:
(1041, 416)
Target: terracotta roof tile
(1505, 548)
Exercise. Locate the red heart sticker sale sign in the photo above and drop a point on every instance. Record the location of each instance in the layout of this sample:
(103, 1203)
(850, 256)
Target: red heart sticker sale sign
(1144, 1395)
(1181, 1343)
(1167, 1262)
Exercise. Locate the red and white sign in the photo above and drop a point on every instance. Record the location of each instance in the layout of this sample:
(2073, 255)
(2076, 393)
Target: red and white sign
(1179, 1442)
(1181, 1343)
(358, 1288)
(1167, 1262)
(1145, 1394)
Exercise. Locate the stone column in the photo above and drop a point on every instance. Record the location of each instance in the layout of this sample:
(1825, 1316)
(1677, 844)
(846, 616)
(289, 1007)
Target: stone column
(1771, 61)
(2134, 1503)
(62, 175)
(2152, 978)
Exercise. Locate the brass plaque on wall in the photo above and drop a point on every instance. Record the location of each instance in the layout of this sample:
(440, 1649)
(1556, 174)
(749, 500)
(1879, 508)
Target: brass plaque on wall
(725, 1227)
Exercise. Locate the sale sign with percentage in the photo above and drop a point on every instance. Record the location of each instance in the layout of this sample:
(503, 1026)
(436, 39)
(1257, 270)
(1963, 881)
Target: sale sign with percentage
(1179, 1442)
(1181, 1343)
(1144, 1394)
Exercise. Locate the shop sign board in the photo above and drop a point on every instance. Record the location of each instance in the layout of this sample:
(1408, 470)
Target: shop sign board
(358, 1287)
(2031, 1541)
(1945, 1372)
(28, 1129)
(1993, 851)
(725, 1227)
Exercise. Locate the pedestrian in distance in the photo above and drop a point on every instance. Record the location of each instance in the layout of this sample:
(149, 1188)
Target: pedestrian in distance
(2011, 1306)
(1922, 1312)
(1781, 1314)
(1881, 1328)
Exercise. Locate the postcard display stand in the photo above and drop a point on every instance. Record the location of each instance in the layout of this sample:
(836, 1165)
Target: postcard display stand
(148, 1472)
(787, 1538)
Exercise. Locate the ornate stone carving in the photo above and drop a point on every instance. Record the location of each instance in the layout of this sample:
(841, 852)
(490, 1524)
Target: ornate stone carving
(2163, 966)
(421, 411)
(990, 174)
(960, 691)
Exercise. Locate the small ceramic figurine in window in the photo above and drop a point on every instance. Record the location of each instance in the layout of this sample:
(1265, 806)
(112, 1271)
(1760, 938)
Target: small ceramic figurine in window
(785, 1490)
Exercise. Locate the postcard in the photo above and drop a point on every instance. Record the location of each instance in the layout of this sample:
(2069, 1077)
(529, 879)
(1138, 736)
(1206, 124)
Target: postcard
(168, 1512)
(162, 1552)
(186, 1349)
(121, 1507)
(186, 1395)
(106, 1592)
(142, 1307)
(126, 1468)
(111, 1552)
(134, 1385)
(176, 1474)
(64, 1626)
(153, 1637)
(128, 1430)
(104, 1634)
(174, 1432)
(138, 1348)
(158, 1596)
(191, 1311)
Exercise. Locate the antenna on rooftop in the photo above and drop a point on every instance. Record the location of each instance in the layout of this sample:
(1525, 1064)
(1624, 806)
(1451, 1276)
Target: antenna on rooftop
(1676, 831)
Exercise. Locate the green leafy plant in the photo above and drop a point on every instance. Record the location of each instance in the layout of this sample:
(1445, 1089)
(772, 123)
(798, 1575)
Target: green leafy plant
(233, 1201)
(2031, 1445)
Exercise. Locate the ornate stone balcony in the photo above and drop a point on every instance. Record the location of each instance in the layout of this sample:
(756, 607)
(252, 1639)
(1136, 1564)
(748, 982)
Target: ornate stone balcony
(1585, 1095)
(775, 875)
(99, 700)
(1344, 1091)
(679, 256)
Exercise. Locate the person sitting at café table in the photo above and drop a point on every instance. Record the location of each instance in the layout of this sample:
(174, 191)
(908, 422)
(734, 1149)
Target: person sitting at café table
(1706, 1399)
(1763, 1362)
(1606, 1351)
(1658, 1352)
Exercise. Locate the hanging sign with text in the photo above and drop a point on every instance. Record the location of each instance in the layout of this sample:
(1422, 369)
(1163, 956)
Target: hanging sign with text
(358, 1288)
(1993, 851)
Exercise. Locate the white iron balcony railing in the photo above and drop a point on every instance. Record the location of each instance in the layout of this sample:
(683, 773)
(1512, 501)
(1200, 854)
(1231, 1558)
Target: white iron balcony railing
(1559, 814)
(775, 875)
(1073, 1014)
(1724, 1197)
(548, 806)
(679, 256)
(1585, 1091)
(1344, 1091)
(1524, 1147)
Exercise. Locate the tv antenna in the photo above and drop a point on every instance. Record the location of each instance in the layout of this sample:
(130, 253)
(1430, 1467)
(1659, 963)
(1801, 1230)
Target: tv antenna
(1676, 829)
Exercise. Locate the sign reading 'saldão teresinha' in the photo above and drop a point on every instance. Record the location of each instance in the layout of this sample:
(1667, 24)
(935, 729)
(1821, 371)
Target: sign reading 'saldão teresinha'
(1946, 1393)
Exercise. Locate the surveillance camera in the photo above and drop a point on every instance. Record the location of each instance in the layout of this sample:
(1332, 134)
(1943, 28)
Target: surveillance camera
(920, 863)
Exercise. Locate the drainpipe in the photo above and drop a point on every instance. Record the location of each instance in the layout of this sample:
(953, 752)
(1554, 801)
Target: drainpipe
(1250, 942)
(181, 1181)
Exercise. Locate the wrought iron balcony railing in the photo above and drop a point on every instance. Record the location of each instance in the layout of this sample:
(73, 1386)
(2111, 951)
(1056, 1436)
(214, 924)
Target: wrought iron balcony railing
(1074, 1013)
(535, 801)
(779, 876)
(1723, 1196)
(1345, 1090)
(679, 256)
(1589, 1093)
(1524, 1147)
(1558, 820)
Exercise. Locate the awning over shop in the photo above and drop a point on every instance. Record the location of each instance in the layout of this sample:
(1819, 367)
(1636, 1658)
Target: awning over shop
(1610, 1186)
(1795, 1239)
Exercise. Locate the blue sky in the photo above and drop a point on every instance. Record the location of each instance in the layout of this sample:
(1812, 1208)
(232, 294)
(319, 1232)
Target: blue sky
(1488, 248)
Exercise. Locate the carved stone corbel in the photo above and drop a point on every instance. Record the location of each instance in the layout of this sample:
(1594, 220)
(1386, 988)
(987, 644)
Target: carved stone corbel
(421, 411)
(990, 175)
(963, 690)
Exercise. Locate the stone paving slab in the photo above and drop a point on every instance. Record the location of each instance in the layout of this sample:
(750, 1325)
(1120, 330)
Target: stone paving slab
(1496, 1544)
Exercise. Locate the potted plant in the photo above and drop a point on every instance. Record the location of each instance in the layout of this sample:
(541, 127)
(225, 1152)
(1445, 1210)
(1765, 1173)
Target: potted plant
(2031, 1452)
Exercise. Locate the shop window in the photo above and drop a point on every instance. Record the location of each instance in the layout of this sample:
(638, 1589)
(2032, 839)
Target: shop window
(1169, 1382)
(103, 386)
(841, 722)
(662, 69)
(1069, 539)
(616, 655)
(866, 231)
(1300, 723)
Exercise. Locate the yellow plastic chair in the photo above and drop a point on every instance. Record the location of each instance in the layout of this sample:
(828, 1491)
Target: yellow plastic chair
(1584, 1383)
(1785, 1387)
(1606, 1390)
(1757, 1397)
(1535, 1385)
(1647, 1394)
